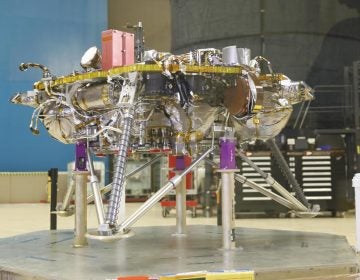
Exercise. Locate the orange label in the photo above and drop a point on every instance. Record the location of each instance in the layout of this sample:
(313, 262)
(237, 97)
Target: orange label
(106, 38)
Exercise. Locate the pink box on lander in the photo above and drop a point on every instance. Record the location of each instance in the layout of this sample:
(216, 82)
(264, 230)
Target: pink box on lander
(117, 48)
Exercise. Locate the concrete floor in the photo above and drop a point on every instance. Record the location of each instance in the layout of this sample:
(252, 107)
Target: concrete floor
(24, 218)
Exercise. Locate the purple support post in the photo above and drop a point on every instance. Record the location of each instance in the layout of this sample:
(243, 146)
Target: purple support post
(80, 156)
(227, 170)
(227, 153)
(180, 163)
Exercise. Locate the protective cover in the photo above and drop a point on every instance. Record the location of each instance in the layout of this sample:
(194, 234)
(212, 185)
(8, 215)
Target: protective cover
(117, 48)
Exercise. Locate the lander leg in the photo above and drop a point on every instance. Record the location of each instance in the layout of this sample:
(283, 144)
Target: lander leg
(123, 230)
(279, 199)
(287, 172)
(287, 198)
(109, 226)
(65, 208)
(171, 184)
(227, 175)
(296, 204)
(107, 189)
(95, 189)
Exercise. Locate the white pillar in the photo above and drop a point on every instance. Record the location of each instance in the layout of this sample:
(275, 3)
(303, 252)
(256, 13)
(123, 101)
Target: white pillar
(356, 185)
(81, 178)
(227, 209)
(181, 207)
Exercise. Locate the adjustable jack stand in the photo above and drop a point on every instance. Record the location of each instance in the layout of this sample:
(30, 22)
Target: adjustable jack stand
(81, 178)
(227, 170)
(180, 198)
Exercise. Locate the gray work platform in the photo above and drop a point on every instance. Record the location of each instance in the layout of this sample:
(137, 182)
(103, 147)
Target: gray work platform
(272, 254)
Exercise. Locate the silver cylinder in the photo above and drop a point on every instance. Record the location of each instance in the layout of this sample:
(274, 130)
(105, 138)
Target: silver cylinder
(106, 189)
(281, 190)
(68, 196)
(147, 206)
(227, 206)
(297, 205)
(96, 190)
(264, 191)
(181, 207)
(146, 164)
(96, 96)
(98, 199)
(81, 209)
(244, 55)
(103, 190)
(230, 55)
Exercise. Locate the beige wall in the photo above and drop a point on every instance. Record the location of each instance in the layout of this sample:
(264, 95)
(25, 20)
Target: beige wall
(154, 14)
(28, 187)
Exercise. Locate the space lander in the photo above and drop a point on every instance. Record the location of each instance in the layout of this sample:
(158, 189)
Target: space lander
(127, 100)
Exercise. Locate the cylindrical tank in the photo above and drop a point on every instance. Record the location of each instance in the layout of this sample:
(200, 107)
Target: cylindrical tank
(96, 97)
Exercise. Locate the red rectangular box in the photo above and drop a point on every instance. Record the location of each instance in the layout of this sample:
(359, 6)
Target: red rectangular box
(173, 164)
(117, 48)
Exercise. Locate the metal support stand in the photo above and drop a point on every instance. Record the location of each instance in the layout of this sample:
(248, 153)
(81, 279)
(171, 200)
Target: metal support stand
(227, 170)
(356, 185)
(53, 175)
(227, 208)
(181, 207)
(181, 198)
(81, 178)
